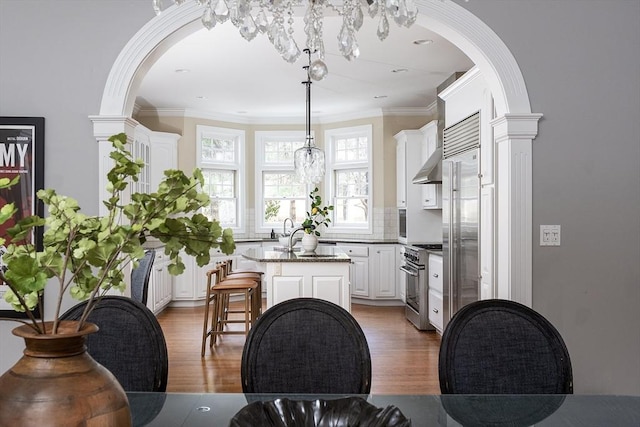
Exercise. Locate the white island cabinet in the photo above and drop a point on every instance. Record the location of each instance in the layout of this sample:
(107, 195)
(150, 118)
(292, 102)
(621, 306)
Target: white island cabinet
(323, 275)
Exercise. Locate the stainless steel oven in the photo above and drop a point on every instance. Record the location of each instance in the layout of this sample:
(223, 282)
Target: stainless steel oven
(414, 266)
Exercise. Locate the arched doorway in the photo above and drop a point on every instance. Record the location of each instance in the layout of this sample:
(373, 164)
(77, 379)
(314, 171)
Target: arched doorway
(513, 129)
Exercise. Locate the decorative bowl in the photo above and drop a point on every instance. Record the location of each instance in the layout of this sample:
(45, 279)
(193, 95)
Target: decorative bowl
(348, 411)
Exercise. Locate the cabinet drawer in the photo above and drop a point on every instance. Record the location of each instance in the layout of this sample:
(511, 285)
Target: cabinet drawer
(435, 310)
(355, 250)
(435, 273)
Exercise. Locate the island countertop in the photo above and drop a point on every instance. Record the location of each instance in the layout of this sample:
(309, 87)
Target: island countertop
(321, 254)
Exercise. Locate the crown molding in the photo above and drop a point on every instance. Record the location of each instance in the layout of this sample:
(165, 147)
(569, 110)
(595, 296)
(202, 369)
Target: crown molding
(251, 120)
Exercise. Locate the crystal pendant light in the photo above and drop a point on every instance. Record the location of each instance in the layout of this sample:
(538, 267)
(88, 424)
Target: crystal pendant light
(253, 17)
(308, 160)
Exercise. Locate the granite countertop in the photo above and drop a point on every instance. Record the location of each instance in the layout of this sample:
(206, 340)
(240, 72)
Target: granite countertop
(323, 241)
(321, 254)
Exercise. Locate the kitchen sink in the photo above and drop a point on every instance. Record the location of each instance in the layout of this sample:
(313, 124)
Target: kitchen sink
(285, 249)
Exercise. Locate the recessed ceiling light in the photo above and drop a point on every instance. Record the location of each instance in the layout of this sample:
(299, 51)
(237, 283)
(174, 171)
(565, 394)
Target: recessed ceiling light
(201, 97)
(379, 96)
(422, 41)
(399, 70)
(183, 70)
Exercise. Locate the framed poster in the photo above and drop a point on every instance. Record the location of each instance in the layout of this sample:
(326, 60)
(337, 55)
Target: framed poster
(21, 153)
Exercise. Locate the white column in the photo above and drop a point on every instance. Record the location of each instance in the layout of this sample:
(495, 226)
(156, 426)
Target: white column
(103, 128)
(513, 135)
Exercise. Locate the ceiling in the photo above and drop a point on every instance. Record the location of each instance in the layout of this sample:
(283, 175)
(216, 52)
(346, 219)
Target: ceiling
(225, 75)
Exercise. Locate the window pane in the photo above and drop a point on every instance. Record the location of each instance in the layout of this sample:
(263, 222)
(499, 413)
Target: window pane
(224, 210)
(352, 183)
(218, 149)
(219, 183)
(277, 210)
(284, 197)
(281, 185)
(351, 211)
(352, 197)
(220, 186)
(351, 149)
(280, 152)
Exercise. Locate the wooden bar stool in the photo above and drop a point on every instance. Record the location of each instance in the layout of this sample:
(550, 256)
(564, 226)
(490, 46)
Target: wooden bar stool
(227, 275)
(217, 295)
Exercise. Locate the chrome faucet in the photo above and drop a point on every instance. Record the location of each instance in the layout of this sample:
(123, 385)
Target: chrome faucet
(290, 246)
(284, 225)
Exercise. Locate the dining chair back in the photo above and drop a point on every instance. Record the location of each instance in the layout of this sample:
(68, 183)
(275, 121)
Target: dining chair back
(503, 347)
(306, 346)
(140, 277)
(129, 343)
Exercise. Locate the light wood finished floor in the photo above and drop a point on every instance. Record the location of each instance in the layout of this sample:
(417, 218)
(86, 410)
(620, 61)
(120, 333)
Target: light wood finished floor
(404, 360)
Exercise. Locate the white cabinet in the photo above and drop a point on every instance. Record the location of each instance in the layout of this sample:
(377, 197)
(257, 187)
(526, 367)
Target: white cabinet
(191, 286)
(382, 271)
(421, 225)
(401, 172)
(160, 292)
(436, 311)
(359, 269)
(324, 280)
(158, 151)
(401, 278)
(431, 193)
(163, 155)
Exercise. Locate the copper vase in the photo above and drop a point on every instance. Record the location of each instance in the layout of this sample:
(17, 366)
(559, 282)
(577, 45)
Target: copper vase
(57, 383)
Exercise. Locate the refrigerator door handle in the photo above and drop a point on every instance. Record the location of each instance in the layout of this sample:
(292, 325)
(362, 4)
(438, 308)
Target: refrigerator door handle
(452, 238)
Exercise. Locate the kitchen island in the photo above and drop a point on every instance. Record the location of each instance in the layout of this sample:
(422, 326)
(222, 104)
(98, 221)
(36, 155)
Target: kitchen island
(323, 274)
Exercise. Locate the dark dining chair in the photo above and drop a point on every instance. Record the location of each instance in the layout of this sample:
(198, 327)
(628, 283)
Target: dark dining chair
(140, 277)
(306, 346)
(503, 347)
(129, 343)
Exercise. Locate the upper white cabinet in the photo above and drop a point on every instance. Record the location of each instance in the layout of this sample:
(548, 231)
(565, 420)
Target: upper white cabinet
(421, 225)
(401, 171)
(164, 155)
(158, 151)
(431, 193)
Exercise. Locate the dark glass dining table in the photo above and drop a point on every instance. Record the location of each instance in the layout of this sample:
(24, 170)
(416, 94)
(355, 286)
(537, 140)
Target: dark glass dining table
(218, 409)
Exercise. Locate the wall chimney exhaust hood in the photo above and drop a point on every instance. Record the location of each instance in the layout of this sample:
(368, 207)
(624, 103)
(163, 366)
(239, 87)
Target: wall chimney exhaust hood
(431, 171)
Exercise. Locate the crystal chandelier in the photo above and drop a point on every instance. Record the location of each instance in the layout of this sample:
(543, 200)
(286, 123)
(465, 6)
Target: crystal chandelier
(308, 160)
(275, 19)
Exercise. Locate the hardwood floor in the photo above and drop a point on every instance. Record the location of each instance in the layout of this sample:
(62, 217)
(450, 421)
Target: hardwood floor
(403, 359)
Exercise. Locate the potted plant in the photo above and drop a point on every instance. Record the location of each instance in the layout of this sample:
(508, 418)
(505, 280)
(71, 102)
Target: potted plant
(316, 217)
(86, 256)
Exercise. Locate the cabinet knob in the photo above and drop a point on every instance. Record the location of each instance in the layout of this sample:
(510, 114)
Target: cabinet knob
(435, 310)
(426, 200)
(435, 275)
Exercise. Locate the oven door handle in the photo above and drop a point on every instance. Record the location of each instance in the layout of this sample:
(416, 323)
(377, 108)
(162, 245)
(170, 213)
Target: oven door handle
(409, 272)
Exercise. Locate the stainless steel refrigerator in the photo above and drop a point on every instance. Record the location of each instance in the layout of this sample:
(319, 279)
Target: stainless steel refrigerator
(460, 215)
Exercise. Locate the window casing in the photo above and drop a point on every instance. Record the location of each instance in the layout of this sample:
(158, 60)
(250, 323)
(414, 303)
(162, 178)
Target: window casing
(279, 195)
(220, 156)
(349, 175)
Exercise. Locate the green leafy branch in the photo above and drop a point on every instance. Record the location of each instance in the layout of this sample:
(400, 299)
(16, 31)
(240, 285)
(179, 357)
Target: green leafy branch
(318, 215)
(88, 254)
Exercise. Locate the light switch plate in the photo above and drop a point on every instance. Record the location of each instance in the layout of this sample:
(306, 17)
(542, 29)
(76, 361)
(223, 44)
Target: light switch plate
(549, 235)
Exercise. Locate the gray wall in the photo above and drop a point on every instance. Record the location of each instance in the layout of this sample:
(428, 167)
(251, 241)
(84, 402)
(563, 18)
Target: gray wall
(581, 65)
